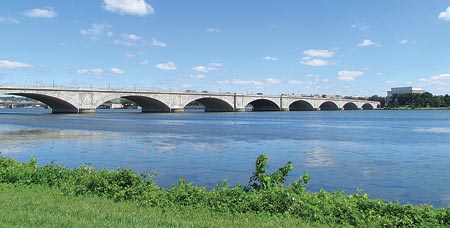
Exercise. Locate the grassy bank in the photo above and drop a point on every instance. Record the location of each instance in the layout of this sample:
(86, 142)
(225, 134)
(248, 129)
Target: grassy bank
(93, 196)
(41, 206)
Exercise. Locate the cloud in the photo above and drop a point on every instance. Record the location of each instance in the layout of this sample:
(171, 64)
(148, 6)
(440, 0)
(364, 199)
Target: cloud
(95, 71)
(270, 58)
(157, 43)
(360, 27)
(214, 30)
(295, 82)
(6, 64)
(441, 79)
(197, 76)
(144, 62)
(41, 13)
(206, 69)
(117, 71)
(267, 81)
(166, 66)
(445, 15)
(346, 75)
(389, 82)
(132, 7)
(366, 43)
(319, 53)
(404, 42)
(97, 31)
(131, 39)
(314, 62)
(9, 20)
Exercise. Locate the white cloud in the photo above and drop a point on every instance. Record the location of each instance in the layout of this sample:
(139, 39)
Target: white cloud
(270, 58)
(83, 71)
(404, 41)
(267, 81)
(216, 30)
(6, 64)
(40, 13)
(366, 43)
(216, 64)
(206, 69)
(96, 31)
(117, 71)
(166, 66)
(224, 82)
(132, 7)
(144, 62)
(441, 79)
(389, 82)
(319, 53)
(200, 69)
(295, 82)
(197, 76)
(445, 15)
(314, 62)
(360, 27)
(271, 81)
(158, 43)
(9, 20)
(95, 71)
(129, 55)
(133, 36)
(346, 75)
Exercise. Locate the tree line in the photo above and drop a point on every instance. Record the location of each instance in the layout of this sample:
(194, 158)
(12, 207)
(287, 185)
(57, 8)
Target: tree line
(413, 100)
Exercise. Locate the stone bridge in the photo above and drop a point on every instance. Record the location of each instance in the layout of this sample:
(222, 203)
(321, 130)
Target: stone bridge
(86, 100)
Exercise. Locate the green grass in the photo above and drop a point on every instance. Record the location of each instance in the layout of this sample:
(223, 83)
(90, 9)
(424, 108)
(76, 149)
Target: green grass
(40, 206)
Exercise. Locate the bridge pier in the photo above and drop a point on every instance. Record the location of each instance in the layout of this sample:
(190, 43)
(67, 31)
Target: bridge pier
(86, 110)
(239, 109)
(177, 110)
(285, 109)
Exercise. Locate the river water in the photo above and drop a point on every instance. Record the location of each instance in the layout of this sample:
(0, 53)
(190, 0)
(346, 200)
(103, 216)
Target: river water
(403, 156)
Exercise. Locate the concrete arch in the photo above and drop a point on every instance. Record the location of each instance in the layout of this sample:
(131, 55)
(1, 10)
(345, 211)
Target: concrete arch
(367, 106)
(214, 104)
(328, 105)
(264, 105)
(56, 104)
(350, 106)
(301, 105)
(148, 104)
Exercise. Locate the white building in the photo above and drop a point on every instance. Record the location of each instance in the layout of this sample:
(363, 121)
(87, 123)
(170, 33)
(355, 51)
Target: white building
(408, 89)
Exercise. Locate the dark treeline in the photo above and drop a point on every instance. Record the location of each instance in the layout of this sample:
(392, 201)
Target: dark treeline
(415, 100)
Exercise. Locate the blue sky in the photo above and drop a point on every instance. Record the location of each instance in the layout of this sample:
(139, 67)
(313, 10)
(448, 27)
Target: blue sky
(352, 47)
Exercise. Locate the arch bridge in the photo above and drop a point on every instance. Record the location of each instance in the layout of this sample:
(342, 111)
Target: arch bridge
(86, 100)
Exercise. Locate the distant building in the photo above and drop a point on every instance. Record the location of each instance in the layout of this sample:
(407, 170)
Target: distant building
(401, 90)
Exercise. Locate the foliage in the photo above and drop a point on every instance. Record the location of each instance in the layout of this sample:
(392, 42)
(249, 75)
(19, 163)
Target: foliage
(266, 193)
(416, 100)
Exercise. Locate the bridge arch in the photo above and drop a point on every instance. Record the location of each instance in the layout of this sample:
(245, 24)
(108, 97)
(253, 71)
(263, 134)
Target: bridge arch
(367, 106)
(213, 104)
(328, 105)
(148, 104)
(56, 104)
(264, 105)
(301, 105)
(350, 106)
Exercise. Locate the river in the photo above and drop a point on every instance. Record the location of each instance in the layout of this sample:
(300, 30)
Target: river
(403, 156)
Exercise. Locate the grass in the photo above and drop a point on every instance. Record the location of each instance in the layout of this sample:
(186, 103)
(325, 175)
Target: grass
(41, 206)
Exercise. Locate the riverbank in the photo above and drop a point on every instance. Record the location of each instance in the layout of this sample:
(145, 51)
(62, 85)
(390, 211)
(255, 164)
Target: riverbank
(266, 197)
(41, 206)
